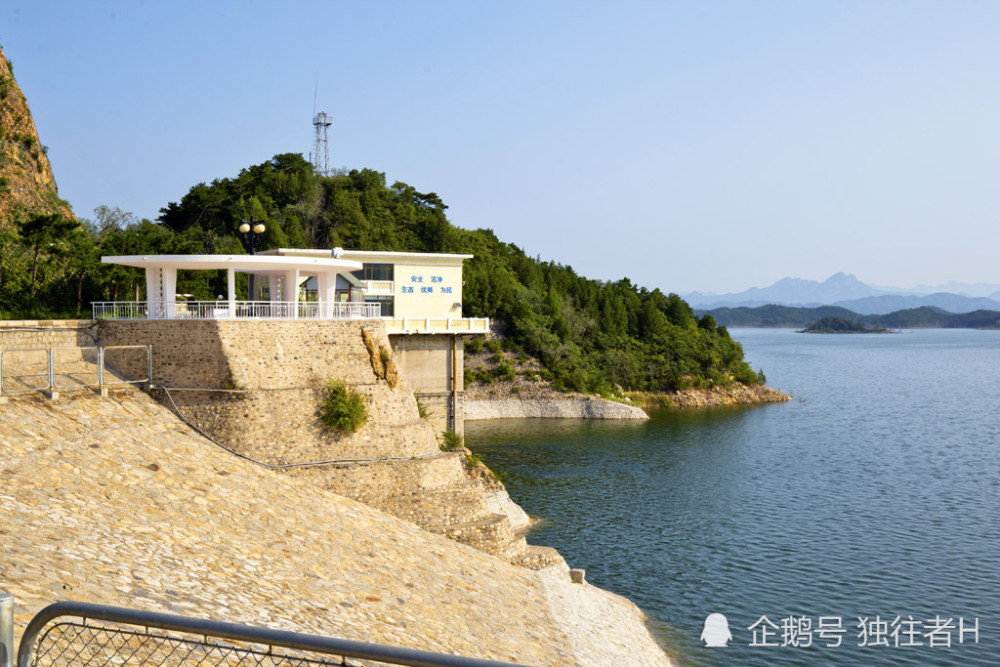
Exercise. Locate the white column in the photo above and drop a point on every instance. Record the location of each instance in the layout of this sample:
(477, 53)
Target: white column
(292, 291)
(326, 292)
(231, 291)
(274, 290)
(154, 291)
(170, 290)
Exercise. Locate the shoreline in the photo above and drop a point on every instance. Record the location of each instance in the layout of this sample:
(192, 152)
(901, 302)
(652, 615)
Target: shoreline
(512, 401)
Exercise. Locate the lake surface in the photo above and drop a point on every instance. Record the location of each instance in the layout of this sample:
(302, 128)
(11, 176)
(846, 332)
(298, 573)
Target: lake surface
(874, 493)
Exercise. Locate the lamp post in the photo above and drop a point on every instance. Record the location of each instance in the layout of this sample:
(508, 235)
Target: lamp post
(253, 234)
(252, 240)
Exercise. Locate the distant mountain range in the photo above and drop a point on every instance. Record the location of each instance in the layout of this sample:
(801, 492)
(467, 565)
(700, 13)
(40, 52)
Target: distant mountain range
(846, 291)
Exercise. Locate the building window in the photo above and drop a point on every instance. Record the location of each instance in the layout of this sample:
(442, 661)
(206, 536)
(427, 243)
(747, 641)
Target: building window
(378, 272)
(388, 304)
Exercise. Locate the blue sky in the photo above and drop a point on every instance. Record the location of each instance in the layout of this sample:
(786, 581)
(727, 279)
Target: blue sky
(693, 145)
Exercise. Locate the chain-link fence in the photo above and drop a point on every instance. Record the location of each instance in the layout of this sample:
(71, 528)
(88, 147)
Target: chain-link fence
(119, 636)
(68, 643)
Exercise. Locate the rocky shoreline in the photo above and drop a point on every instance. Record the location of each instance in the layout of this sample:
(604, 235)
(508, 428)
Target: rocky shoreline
(736, 394)
(571, 407)
(517, 401)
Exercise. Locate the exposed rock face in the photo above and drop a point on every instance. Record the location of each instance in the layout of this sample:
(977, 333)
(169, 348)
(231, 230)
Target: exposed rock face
(26, 181)
(571, 407)
(522, 399)
(737, 394)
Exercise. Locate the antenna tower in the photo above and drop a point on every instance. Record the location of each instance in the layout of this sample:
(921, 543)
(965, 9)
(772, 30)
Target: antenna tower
(321, 149)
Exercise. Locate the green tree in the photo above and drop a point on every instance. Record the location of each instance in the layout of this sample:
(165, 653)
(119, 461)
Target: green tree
(41, 233)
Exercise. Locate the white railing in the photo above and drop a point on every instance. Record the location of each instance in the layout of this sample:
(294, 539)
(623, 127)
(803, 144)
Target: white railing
(283, 310)
(429, 325)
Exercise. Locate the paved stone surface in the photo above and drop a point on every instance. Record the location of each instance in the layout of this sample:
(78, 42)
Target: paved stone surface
(114, 501)
(600, 625)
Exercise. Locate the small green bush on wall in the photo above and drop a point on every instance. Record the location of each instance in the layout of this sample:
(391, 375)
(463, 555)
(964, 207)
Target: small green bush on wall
(343, 409)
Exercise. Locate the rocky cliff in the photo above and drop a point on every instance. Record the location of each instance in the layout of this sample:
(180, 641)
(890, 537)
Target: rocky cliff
(26, 181)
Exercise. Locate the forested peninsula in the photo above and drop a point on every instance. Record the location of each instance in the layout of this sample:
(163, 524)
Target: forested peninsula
(926, 317)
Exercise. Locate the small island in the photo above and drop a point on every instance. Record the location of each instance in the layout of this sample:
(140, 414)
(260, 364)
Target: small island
(839, 325)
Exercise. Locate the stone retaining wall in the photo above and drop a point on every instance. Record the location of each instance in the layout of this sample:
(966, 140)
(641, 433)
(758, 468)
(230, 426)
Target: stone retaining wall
(273, 375)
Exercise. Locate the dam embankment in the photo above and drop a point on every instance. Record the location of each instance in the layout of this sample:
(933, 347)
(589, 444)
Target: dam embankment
(116, 500)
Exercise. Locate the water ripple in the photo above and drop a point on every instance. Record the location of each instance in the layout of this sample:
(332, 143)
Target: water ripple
(875, 492)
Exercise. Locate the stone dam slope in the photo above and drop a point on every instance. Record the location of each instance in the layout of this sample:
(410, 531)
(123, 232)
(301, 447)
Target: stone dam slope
(113, 500)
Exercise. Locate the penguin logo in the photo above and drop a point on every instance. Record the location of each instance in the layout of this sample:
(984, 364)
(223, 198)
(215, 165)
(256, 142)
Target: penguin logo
(716, 631)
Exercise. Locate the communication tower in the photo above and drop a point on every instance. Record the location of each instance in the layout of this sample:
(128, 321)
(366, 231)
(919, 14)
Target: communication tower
(321, 149)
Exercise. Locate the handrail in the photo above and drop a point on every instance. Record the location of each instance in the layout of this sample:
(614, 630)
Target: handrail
(51, 367)
(47, 374)
(237, 632)
(455, 325)
(98, 372)
(217, 310)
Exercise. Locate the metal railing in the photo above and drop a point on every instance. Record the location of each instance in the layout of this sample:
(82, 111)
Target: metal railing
(26, 388)
(284, 310)
(477, 325)
(121, 636)
(76, 374)
(86, 374)
(119, 366)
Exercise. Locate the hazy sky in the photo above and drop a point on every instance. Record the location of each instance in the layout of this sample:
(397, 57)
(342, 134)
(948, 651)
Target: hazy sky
(687, 145)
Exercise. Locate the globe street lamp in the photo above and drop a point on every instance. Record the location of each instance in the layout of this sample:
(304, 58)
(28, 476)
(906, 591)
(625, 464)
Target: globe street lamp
(252, 240)
(253, 234)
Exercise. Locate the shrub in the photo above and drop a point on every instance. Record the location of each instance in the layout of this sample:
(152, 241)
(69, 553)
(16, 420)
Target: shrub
(343, 409)
(475, 346)
(451, 440)
(504, 371)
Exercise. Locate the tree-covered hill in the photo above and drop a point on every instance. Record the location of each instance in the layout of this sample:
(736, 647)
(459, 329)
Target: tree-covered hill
(774, 315)
(837, 325)
(589, 335)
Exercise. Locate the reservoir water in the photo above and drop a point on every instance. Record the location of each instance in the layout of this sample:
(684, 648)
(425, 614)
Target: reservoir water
(869, 505)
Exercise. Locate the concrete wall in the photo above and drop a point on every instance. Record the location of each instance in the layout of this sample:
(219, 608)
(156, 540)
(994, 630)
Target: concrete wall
(434, 367)
(427, 290)
(269, 378)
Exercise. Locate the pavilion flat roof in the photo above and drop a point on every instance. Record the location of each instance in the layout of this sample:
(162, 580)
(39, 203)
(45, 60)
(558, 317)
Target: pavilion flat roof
(387, 256)
(243, 263)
